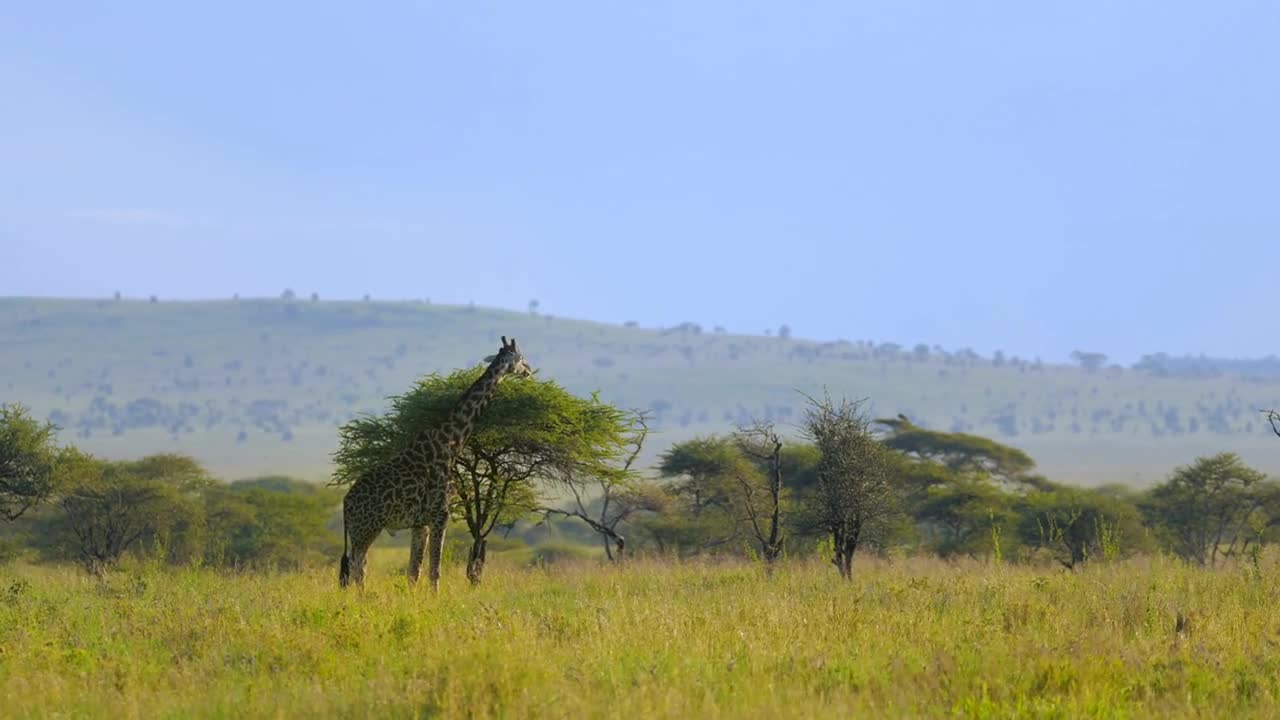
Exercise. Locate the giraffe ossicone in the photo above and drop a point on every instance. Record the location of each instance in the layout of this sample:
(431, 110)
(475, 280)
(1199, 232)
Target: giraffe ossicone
(412, 489)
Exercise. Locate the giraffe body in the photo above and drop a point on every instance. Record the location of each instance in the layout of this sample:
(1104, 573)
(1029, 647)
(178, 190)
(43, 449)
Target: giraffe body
(412, 490)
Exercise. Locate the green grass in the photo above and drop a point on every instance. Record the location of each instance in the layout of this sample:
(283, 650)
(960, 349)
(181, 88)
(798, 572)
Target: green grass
(306, 367)
(906, 638)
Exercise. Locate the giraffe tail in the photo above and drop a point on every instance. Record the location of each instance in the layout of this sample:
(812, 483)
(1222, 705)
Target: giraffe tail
(344, 567)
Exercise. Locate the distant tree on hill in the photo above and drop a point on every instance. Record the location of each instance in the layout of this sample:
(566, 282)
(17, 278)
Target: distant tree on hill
(1090, 361)
(784, 332)
(533, 307)
(288, 294)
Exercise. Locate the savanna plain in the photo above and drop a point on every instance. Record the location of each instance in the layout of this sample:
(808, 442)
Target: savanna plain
(150, 569)
(907, 637)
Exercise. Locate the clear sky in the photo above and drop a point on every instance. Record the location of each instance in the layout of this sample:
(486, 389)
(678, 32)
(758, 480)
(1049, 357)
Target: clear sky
(1028, 176)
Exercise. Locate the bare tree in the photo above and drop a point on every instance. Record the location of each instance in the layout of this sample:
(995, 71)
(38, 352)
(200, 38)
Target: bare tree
(855, 494)
(1273, 417)
(618, 499)
(760, 442)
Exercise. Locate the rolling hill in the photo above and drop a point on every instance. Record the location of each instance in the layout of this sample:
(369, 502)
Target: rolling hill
(259, 386)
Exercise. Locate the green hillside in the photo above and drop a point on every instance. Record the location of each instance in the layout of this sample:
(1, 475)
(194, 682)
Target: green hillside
(256, 386)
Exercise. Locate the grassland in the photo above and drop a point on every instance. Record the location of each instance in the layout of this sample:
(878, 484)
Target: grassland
(906, 638)
(260, 386)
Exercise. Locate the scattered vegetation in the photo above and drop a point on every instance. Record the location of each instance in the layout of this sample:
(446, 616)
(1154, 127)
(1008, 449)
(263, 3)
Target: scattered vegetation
(264, 384)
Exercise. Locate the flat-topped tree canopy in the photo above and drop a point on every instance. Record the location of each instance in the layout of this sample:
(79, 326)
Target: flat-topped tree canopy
(530, 421)
(960, 452)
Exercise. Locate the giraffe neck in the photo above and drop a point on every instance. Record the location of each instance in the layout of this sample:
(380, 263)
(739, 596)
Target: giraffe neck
(457, 426)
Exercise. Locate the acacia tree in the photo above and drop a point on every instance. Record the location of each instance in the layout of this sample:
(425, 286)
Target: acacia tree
(1075, 525)
(964, 516)
(856, 497)
(619, 497)
(706, 475)
(271, 522)
(959, 452)
(109, 508)
(534, 435)
(28, 461)
(1204, 511)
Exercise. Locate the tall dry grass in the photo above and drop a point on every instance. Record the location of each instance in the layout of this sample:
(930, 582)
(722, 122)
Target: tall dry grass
(907, 638)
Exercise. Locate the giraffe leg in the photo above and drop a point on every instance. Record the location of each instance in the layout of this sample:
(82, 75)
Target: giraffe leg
(416, 550)
(360, 542)
(435, 549)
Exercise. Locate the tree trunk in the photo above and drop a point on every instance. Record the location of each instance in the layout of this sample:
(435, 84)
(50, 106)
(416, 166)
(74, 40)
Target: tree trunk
(475, 560)
(773, 548)
(846, 543)
(771, 552)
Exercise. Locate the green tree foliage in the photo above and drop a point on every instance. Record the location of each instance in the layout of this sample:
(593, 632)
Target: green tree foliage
(534, 435)
(706, 476)
(959, 452)
(946, 480)
(109, 508)
(963, 517)
(272, 522)
(1074, 525)
(725, 488)
(28, 458)
(619, 497)
(856, 498)
(1206, 510)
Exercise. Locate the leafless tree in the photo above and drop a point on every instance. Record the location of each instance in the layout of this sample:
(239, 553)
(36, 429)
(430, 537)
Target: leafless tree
(855, 494)
(618, 498)
(1273, 417)
(760, 442)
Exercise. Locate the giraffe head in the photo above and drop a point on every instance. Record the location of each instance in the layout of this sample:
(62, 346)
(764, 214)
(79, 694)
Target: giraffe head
(510, 361)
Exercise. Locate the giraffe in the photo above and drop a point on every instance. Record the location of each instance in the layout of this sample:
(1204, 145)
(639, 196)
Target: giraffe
(412, 489)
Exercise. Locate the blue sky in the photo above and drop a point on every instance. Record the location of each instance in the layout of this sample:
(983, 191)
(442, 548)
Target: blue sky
(1032, 177)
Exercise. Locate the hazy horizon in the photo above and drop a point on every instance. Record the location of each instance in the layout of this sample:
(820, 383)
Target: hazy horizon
(1033, 179)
